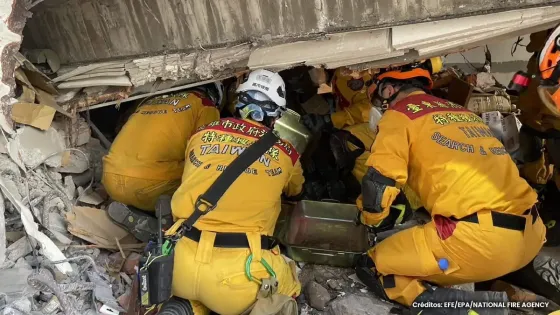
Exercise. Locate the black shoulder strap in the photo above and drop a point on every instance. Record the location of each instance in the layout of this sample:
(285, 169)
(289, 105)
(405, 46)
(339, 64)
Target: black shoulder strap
(209, 199)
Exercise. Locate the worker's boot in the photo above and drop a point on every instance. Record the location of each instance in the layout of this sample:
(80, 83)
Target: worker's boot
(541, 276)
(444, 301)
(141, 224)
(176, 306)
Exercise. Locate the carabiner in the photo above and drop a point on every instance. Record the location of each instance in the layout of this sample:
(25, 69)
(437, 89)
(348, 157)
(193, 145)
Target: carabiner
(263, 262)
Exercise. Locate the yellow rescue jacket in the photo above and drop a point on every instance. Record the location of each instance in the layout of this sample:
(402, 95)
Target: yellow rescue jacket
(448, 157)
(152, 143)
(252, 202)
(353, 105)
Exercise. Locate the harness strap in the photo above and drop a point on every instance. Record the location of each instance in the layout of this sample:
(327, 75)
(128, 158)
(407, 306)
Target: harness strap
(209, 199)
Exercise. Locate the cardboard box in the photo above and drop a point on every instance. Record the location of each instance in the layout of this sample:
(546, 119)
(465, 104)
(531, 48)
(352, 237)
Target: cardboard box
(462, 93)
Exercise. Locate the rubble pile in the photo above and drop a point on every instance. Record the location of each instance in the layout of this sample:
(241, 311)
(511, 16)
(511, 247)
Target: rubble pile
(58, 254)
(337, 291)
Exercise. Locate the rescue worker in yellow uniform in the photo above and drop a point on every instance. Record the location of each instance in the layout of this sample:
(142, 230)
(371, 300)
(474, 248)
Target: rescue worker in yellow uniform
(351, 100)
(147, 158)
(484, 223)
(213, 267)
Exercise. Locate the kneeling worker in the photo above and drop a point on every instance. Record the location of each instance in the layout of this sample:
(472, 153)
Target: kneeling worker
(226, 252)
(484, 222)
(147, 158)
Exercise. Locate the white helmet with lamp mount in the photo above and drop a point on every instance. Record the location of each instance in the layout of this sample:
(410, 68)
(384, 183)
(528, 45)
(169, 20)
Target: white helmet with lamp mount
(262, 94)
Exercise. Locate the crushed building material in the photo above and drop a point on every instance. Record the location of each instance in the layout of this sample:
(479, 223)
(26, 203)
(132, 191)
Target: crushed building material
(34, 147)
(14, 282)
(67, 73)
(121, 80)
(39, 116)
(317, 296)
(89, 197)
(94, 226)
(42, 56)
(352, 48)
(76, 132)
(114, 93)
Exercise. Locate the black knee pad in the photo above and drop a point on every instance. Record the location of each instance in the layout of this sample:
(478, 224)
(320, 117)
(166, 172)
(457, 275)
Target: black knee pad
(369, 277)
(176, 306)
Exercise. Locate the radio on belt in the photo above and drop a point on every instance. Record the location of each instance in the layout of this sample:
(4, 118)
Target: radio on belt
(156, 265)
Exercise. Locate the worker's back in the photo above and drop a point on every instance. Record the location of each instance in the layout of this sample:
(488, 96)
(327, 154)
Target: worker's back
(449, 157)
(153, 141)
(252, 202)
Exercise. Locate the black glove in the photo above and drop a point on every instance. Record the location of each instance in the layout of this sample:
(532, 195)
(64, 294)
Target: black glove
(316, 123)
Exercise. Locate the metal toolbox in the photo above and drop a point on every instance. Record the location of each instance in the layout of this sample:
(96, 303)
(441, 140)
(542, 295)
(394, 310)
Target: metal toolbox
(291, 129)
(322, 233)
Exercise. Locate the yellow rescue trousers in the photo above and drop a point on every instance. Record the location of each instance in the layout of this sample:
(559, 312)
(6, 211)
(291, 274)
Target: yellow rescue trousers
(213, 278)
(475, 252)
(141, 193)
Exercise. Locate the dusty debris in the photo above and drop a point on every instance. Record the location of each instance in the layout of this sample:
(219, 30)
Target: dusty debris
(317, 296)
(334, 284)
(359, 304)
(76, 132)
(89, 197)
(48, 248)
(75, 163)
(121, 80)
(83, 102)
(34, 147)
(94, 226)
(14, 281)
(131, 262)
(19, 249)
(42, 56)
(70, 187)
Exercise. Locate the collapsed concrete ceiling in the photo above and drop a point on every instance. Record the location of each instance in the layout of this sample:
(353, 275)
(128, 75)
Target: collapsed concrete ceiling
(93, 30)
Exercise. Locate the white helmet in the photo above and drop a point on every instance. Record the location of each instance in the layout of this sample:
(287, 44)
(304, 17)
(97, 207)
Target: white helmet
(267, 82)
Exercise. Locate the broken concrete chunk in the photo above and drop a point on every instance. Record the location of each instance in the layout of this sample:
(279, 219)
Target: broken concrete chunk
(334, 284)
(90, 197)
(359, 304)
(79, 129)
(14, 281)
(317, 296)
(69, 187)
(76, 163)
(22, 263)
(18, 249)
(103, 292)
(7, 264)
(34, 146)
